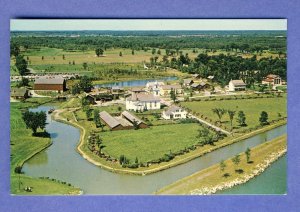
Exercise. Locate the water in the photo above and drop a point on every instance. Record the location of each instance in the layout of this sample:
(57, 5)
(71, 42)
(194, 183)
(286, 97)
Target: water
(273, 180)
(134, 83)
(61, 161)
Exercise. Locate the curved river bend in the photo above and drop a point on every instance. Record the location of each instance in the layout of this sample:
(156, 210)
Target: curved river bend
(61, 161)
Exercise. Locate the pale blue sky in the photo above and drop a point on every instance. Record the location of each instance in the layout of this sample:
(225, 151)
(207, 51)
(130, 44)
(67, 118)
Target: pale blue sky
(148, 24)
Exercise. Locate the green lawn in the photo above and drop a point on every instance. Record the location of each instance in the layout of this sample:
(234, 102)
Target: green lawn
(151, 143)
(23, 146)
(251, 107)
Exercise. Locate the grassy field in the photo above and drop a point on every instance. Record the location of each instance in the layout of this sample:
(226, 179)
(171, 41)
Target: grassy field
(144, 143)
(213, 176)
(23, 146)
(251, 107)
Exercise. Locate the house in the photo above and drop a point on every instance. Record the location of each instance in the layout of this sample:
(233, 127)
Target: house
(137, 90)
(174, 112)
(187, 82)
(166, 89)
(142, 101)
(132, 118)
(19, 93)
(196, 76)
(237, 85)
(110, 122)
(154, 87)
(116, 90)
(273, 80)
(50, 83)
(91, 99)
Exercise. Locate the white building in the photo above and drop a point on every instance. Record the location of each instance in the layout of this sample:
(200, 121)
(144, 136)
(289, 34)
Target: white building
(237, 85)
(154, 87)
(174, 112)
(142, 101)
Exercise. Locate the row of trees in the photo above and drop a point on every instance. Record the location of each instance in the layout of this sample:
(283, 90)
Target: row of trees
(247, 41)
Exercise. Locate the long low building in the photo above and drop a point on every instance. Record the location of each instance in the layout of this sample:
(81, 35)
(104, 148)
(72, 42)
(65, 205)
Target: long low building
(141, 102)
(123, 122)
(50, 83)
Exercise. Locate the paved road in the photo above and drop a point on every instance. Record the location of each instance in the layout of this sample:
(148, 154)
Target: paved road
(209, 124)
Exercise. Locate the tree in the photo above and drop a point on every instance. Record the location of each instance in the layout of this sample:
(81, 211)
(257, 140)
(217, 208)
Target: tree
(73, 63)
(24, 82)
(173, 94)
(153, 51)
(85, 65)
(132, 51)
(99, 52)
(42, 57)
(263, 119)
(135, 125)
(75, 89)
(21, 65)
(136, 160)
(14, 49)
(85, 84)
(236, 160)
(35, 120)
(158, 51)
(220, 112)
(205, 137)
(97, 118)
(222, 165)
(231, 114)
(248, 154)
(63, 57)
(241, 119)
(88, 113)
(120, 54)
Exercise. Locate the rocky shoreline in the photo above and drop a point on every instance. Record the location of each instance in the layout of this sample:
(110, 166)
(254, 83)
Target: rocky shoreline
(259, 168)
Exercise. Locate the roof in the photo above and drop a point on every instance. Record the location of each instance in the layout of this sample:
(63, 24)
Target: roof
(143, 97)
(131, 117)
(49, 80)
(108, 119)
(151, 84)
(117, 88)
(137, 89)
(169, 87)
(272, 76)
(196, 75)
(123, 122)
(187, 81)
(203, 83)
(16, 92)
(210, 77)
(238, 82)
(172, 109)
(195, 85)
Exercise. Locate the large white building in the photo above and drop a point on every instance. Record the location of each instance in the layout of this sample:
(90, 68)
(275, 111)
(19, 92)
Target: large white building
(174, 112)
(142, 101)
(237, 85)
(154, 87)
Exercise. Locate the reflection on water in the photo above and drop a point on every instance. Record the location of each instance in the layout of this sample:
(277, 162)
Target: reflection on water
(65, 164)
(40, 159)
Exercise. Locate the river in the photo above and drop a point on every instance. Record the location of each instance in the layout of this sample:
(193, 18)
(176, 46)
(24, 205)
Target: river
(135, 83)
(61, 161)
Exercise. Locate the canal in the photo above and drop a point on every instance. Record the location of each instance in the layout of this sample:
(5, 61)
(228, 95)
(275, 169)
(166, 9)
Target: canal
(62, 162)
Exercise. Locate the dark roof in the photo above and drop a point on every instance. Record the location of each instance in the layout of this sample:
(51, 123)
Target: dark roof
(16, 92)
(131, 117)
(49, 80)
(108, 119)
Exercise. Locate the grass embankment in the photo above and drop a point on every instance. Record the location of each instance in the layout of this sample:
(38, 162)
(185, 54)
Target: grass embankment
(251, 107)
(212, 179)
(23, 147)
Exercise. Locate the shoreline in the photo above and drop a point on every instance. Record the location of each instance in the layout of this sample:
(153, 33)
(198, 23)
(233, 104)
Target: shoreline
(198, 181)
(57, 117)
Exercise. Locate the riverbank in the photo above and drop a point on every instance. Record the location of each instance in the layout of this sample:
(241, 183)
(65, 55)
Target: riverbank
(83, 150)
(24, 146)
(211, 180)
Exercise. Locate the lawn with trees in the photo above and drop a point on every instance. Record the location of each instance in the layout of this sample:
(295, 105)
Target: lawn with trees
(252, 109)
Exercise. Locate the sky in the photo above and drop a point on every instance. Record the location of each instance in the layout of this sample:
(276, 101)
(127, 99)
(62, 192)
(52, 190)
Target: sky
(147, 24)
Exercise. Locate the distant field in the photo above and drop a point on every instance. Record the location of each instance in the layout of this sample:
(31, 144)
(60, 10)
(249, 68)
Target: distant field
(144, 143)
(251, 107)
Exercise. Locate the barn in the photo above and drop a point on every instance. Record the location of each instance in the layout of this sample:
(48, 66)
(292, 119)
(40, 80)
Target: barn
(50, 83)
